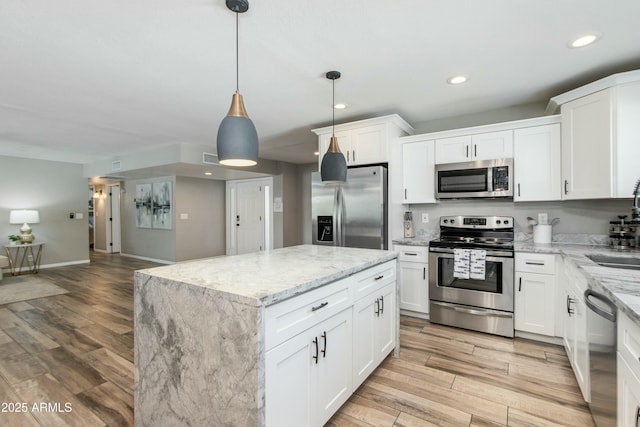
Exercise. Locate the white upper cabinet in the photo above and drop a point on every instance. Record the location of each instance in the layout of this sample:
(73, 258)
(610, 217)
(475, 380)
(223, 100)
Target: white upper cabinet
(480, 146)
(418, 172)
(536, 158)
(600, 134)
(364, 142)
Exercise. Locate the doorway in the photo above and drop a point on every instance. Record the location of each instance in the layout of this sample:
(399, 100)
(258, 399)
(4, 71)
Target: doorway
(249, 221)
(114, 239)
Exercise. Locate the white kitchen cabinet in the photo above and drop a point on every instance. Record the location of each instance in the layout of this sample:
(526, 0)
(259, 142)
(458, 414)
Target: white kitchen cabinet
(628, 375)
(535, 293)
(575, 327)
(320, 342)
(366, 141)
(308, 377)
(600, 133)
(413, 279)
(481, 146)
(373, 331)
(536, 158)
(418, 171)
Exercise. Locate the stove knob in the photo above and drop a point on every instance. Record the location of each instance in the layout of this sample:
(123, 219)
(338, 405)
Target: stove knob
(506, 221)
(446, 221)
(452, 221)
(498, 222)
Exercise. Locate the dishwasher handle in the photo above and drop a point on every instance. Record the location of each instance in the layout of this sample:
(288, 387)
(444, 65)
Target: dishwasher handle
(609, 315)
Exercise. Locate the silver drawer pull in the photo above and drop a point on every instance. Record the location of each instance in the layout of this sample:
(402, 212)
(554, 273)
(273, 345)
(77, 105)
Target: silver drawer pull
(411, 253)
(318, 307)
(533, 263)
(378, 277)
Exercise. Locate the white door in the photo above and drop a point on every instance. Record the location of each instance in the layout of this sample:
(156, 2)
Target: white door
(418, 172)
(249, 222)
(414, 287)
(536, 152)
(114, 239)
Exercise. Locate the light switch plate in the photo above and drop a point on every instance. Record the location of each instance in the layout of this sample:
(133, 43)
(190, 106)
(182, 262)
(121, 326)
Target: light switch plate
(79, 215)
(425, 217)
(184, 216)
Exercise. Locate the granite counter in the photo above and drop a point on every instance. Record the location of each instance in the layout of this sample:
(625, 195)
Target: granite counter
(199, 329)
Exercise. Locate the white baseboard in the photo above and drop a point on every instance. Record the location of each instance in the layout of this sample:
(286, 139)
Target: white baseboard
(7, 271)
(159, 261)
(414, 314)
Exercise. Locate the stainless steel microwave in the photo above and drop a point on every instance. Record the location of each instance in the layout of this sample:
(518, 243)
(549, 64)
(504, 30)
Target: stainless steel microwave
(478, 179)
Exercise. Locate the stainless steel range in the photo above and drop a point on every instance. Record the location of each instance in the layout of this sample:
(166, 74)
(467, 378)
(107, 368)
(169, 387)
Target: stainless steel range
(471, 282)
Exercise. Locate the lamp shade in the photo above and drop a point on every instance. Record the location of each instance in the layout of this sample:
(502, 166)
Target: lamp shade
(237, 142)
(24, 216)
(333, 168)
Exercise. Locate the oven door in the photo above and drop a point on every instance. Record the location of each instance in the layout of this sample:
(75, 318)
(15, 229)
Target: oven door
(494, 292)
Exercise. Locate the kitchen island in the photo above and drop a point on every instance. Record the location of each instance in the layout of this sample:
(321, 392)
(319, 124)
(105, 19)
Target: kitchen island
(210, 334)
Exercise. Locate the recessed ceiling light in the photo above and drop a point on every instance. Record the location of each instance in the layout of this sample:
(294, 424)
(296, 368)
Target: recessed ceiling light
(585, 40)
(208, 173)
(456, 80)
(316, 153)
(340, 106)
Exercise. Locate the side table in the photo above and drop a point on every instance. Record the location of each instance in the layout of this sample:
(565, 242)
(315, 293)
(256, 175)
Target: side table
(23, 257)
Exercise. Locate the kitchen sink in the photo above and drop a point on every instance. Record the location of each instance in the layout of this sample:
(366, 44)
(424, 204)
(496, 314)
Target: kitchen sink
(616, 261)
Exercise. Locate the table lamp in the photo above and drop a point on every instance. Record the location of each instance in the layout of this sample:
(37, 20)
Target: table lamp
(25, 217)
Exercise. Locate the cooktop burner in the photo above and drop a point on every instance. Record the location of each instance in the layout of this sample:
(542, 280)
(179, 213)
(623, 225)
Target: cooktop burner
(475, 232)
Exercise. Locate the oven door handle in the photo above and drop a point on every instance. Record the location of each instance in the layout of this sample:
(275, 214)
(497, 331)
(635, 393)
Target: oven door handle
(492, 313)
(493, 257)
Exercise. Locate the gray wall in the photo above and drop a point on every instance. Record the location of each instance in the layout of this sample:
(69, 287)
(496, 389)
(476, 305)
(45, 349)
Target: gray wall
(54, 189)
(201, 235)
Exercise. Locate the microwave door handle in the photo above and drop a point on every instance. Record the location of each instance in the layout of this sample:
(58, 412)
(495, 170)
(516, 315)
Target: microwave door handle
(489, 179)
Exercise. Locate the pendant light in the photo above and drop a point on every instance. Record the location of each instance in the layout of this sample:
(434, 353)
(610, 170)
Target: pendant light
(333, 168)
(237, 143)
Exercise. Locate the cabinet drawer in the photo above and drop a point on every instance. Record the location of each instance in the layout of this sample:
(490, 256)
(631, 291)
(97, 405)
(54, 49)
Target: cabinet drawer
(373, 278)
(413, 253)
(629, 342)
(536, 263)
(290, 317)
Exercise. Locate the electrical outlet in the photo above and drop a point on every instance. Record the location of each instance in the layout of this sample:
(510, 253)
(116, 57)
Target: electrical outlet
(425, 217)
(71, 215)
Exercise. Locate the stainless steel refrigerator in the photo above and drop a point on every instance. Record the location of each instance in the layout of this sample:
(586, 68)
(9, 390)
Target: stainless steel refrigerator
(353, 214)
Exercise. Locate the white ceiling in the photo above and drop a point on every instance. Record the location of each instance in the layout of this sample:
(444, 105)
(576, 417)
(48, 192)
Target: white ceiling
(82, 80)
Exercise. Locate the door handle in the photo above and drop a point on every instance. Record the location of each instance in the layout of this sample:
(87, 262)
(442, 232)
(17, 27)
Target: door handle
(379, 277)
(377, 311)
(565, 187)
(475, 150)
(518, 189)
(324, 344)
(467, 155)
(405, 194)
(348, 156)
(315, 342)
(637, 416)
(520, 285)
(381, 304)
(424, 273)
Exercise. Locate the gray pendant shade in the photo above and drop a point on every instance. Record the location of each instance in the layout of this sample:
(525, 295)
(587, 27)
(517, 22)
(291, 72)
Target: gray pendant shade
(237, 142)
(333, 168)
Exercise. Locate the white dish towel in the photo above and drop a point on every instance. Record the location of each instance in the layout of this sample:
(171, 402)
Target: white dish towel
(477, 264)
(461, 263)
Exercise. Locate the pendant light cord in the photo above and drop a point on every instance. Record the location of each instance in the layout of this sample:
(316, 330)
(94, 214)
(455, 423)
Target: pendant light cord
(333, 109)
(237, 58)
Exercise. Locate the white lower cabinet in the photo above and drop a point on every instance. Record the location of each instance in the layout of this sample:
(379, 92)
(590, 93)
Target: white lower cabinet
(373, 331)
(322, 344)
(628, 372)
(413, 279)
(575, 327)
(535, 293)
(309, 376)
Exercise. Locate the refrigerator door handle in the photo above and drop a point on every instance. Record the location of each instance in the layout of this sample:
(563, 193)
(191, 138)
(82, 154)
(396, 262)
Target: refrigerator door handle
(336, 216)
(341, 216)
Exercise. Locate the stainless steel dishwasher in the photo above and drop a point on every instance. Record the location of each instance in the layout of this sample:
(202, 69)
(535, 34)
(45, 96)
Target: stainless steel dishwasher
(601, 333)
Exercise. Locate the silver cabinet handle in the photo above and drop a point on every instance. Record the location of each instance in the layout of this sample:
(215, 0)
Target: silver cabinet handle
(405, 194)
(424, 273)
(518, 189)
(520, 285)
(348, 156)
(354, 155)
(569, 302)
(566, 191)
(378, 277)
(467, 155)
(533, 263)
(411, 253)
(475, 150)
(637, 416)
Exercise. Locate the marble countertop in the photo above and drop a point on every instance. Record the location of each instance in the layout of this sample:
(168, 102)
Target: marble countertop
(264, 278)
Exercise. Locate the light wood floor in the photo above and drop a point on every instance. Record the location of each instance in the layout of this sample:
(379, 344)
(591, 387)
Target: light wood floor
(75, 351)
